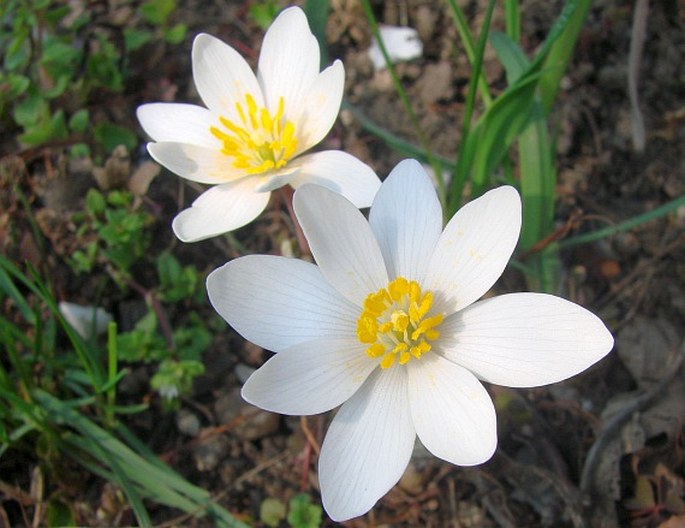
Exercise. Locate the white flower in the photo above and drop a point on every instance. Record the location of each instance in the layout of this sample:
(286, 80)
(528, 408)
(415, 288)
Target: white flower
(401, 43)
(387, 325)
(248, 140)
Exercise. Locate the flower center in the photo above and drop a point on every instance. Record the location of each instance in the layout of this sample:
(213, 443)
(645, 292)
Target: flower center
(260, 141)
(394, 322)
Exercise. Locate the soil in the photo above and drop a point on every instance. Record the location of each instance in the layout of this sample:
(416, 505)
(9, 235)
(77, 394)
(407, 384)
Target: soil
(603, 449)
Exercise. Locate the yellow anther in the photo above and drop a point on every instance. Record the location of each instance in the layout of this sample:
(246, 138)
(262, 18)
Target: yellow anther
(388, 361)
(375, 350)
(367, 328)
(395, 321)
(400, 321)
(260, 141)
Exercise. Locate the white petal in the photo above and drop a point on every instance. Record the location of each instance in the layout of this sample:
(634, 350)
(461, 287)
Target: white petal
(86, 320)
(340, 172)
(179, 123)
(277, 302)
(367, 447)
(271, 181)
(219, 210)
(474, 249)
(341, 241)
(194, 163)
(401, 43)
(525, 339)
(288, 61)
(452, 412)
(319, 108)
(406, 218)
(222, 77)
(310, 378)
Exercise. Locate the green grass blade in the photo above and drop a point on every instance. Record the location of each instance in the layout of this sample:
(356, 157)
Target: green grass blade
(158, 483)
(512, 19)
(395, 142)
(489, 140)
(469, 47)
(537, 174)
(599, 234)
(560, 53)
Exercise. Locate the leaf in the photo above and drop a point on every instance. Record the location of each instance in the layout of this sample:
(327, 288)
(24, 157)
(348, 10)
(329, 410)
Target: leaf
(494, 132)
(175, 34)
(136, 38)
(111, 136)
(79, 120)
(157, 11)
(272, 512)
(304, 514)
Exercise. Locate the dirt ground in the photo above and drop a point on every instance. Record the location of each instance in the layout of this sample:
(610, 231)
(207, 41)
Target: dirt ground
(604, 449)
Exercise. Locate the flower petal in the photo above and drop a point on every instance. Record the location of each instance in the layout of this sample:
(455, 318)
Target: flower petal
(525, 339)
(319, 108)
(310, 378)
(406, 218)
(452, 412)
(277, 302)
(341, 241)
(219, 210)
(474, 249)
(340, 172)
(367, 447)
(178, 123)
(222, 77)
(195, 163)
(289, 60)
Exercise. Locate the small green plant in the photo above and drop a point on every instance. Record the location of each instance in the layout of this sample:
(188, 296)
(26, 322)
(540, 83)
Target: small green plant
(57, 61)
(113, 232)
(263, 12)
(303, 513)
(58, 403)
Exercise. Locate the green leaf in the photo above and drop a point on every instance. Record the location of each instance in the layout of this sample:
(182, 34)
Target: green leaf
(176, 33)
(157, 11)
(31, 110)
(95, 202)
(492, 135)
(136, 38)
(272, 512)
(18, 52)
(111, 136)
(560, 53)
(58, 55)
(304, 514)
(13, 85)
(176, 282)
(59, 514)
(60, 86)
(317, 16)
(39, 133)
(79, 120)
(263, 13)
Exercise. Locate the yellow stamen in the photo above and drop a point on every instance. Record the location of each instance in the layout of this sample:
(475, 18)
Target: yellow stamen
(395, 321)
(260, 142)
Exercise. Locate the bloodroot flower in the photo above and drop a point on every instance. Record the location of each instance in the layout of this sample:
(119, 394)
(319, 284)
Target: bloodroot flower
(249, 139)
(387, 325)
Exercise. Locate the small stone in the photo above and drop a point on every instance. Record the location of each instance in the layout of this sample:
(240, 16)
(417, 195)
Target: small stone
(187, 422)
(247, 421)
(208, 454)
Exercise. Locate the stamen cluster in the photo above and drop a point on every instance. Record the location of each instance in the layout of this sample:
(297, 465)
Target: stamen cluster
(261, 141)
(395, 325)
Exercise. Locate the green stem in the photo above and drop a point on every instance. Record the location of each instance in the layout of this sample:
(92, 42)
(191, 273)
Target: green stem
(624, 226)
